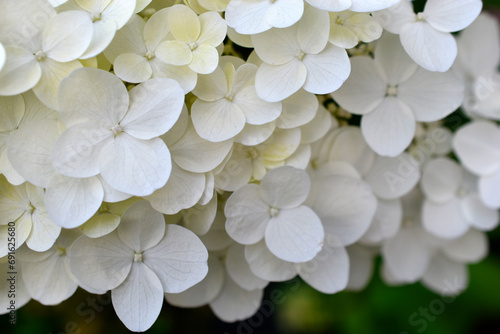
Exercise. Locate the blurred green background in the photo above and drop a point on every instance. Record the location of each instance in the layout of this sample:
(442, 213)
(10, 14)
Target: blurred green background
(302, 310)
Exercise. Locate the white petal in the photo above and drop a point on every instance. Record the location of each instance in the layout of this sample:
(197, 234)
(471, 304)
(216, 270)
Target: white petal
(328, 272)
(102, 263)
(247, 215)
(478, 215)
(103, 32)
(199, 218)
(138, 300)
(266, 265)
(252, 135)
(371, 5)
(256, 111)
(132, 68)
(331, 6)
(156, 28)
(94, 94)
(389, 129)
(432, 96)
(182, 191)
(470, 248)
(49, 281)
(217, 121)
(360, 267)
(43, 232)
(211, 87)
(365, 81)
(63, 44)
(141, 226)
(282, 14)
(129, 39)
(451, 15)
(205, 59)
(488, 190)
(70, 202)
(247, 17)
(154, 108)
(445, 220)
(276, 83)
(235, 303)
(239, 270)
(295, 235)
(298, 109)
(53, 73)
(394, 17)
(217, 239)
(392, 178)
(446, 277)
(213, 29)
(136, 167)
(76, 151)
(475, 146)
(237, 171)
(179, 260)
(285, 187)
(174, 52)
(184, 23)
(432, 49)
(406, 256)
(198, 155)
(345, 206)
(29, 151)
(277, 46)
(313, 30)
(2, 56)
(327, 70)
(386, 222)
(441, 179)
(395, 64)
(20, 72)
(203, 292)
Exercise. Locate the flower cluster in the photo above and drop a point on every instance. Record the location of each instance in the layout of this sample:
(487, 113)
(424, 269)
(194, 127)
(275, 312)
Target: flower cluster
(196, 152)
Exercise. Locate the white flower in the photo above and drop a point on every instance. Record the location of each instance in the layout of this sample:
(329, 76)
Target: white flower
(194, 39)
(46, 274)
(43, 60)
(140, 262)
(452, 204)
(426, 36)
(17, 111)
(299, 57)
(392, 92)
(2, 56)
(107, 17)
(24, 205)
(253, 17)
(227, 100)
(114, 134)
(133, 52)
(348, 28)
(477, 62)
(476, 145)
(273, 210)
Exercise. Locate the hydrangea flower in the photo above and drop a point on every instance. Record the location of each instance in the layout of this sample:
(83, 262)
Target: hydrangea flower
(144, 259)
(115, 133)
(194, 39)
(299, 57)
(392, 92)
(476, 146)
(426, 36)
(273, 211)
(348, 28)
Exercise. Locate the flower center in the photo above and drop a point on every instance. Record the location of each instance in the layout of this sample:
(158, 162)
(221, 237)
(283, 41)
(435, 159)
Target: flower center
(193, 46)
(392, 90)
(340, 20)
(40, 55)
(253, 153)
(229, 96)
(420, 17)
(30, 208)
(273, 211)
(138, 257)
(61, 251)
(407, 221)
(300, 55)
(149, 55)
(117, 129)
(96, 17)
(461, 192)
